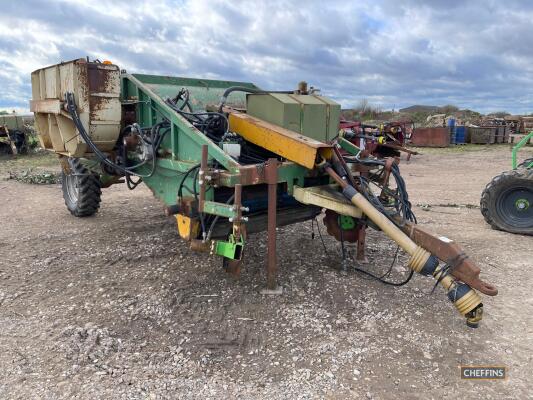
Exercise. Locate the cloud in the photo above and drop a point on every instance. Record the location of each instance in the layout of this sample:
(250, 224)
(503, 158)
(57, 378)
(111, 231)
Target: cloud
(474, 54)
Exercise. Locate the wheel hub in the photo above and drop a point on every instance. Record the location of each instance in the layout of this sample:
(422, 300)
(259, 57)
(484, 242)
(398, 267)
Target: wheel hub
(72, 187)
(341, 227)
(514, 206)
(522, 204)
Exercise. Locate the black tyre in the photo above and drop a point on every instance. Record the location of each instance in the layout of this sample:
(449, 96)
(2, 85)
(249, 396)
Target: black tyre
(81, 189)
(20, 142)
(507, 202)
(5, 148)
(525, 163)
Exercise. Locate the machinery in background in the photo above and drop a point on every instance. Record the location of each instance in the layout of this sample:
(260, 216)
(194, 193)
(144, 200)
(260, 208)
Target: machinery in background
(384, 140)
(228, 159)
(507, 201)
(13, 134)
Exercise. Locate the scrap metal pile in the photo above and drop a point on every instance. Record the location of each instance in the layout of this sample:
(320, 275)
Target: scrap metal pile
(228, 159)
(386, 139)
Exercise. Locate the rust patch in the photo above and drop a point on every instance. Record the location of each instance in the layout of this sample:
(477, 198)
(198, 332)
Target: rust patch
(99, 81)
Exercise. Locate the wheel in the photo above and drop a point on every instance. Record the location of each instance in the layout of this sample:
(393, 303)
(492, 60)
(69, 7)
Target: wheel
(5, 148)
(507, 202)
(525, 163)
(81, 189)
(19, 139)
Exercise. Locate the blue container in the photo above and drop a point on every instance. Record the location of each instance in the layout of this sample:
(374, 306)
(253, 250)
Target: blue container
(460, 134)
(451, 128)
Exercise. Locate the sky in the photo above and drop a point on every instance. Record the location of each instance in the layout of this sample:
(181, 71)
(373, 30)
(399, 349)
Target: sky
(473, 54)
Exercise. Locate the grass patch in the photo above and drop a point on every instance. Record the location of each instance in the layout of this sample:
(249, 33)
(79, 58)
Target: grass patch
(37, 168)
(21, 161)
(40, 177)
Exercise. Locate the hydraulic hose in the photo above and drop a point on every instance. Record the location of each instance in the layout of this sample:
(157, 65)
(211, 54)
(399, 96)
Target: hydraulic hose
(464, 298)
(72, 109)
(245, 89)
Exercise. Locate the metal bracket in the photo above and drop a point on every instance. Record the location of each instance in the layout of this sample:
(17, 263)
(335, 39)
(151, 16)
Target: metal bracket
(231, 249)
(346, 222)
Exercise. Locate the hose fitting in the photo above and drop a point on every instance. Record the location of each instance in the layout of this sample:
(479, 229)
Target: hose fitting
(464, 298)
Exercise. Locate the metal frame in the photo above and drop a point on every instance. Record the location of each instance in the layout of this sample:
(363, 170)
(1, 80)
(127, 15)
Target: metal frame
(518, 146)
(186, 147)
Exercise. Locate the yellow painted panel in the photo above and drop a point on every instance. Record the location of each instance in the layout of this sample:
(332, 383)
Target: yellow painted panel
(290, 145)
(187, 228)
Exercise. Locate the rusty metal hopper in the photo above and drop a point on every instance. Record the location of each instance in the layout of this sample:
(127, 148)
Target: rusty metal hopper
(96, 88)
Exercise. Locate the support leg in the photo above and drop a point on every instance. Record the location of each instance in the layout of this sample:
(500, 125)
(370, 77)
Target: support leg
(361, 238)
(271, 172)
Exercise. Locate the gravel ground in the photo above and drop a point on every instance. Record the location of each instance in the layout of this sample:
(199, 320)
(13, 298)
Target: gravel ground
(116, 306)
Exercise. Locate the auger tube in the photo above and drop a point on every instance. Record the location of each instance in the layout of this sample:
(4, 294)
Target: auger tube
(463, 297)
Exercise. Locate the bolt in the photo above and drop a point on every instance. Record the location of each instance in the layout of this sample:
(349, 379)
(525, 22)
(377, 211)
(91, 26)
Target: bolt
(245, 219)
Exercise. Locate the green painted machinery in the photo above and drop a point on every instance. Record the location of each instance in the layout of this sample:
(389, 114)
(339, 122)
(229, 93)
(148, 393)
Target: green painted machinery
(507, 200)
(228, 159)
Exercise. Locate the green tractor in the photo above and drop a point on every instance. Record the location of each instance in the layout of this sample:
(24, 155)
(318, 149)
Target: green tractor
(507, 201)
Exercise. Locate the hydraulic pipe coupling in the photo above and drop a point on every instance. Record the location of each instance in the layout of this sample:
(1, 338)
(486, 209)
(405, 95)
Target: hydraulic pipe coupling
(463, 297)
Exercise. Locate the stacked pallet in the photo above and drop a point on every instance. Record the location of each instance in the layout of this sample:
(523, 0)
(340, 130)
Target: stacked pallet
(483, 135)
(492, 131)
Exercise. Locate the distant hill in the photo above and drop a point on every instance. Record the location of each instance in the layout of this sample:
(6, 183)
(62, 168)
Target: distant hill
(419, 108)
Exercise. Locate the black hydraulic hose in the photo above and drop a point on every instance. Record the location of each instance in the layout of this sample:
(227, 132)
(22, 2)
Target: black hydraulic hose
(195, 117)
(71, 106)
(215, 220)
(155, 141)
(245, 89)
(402, 204)
(185, 101)
(186, 174)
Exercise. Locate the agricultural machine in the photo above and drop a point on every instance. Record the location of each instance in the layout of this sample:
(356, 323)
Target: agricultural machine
(13, 130)
(507, 201)
(384, 140)
(228, 159)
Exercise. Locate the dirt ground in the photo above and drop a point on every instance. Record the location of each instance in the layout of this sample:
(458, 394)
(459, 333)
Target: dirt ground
(116, 306)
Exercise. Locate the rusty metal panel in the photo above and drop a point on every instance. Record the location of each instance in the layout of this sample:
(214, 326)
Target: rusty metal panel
(483, 135)
(431, 137)
(96, 89)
